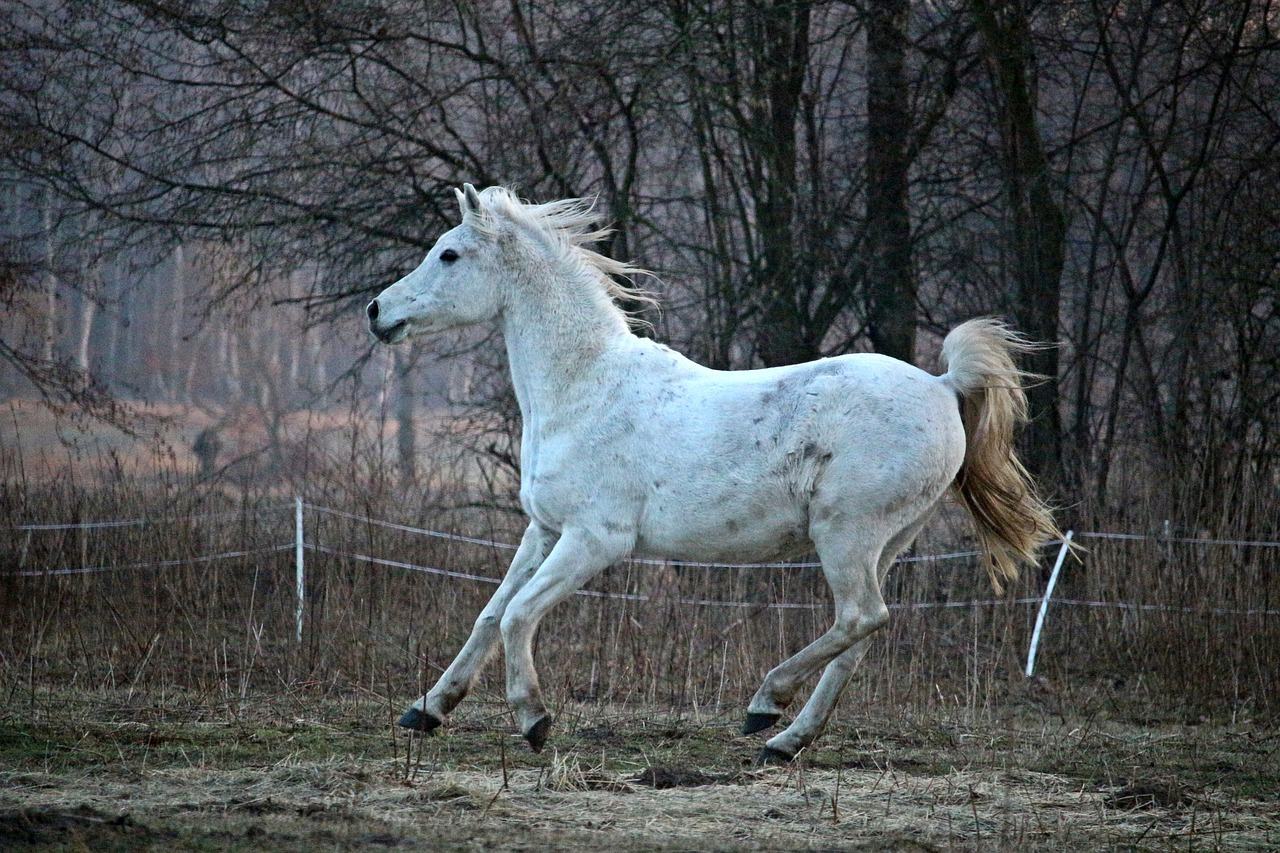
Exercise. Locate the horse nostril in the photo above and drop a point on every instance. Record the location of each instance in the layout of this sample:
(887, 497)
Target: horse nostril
(372, 310)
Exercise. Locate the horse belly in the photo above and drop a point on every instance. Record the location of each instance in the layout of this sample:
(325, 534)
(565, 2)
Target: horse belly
(724, 531)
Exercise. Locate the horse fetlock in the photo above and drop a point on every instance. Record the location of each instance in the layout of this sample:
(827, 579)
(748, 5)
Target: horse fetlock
(769, 699)
(793, 740)
(528, 709)
(769, 756)
(445, 697)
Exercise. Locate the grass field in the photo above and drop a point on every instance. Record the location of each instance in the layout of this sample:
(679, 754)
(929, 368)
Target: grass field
(107, 771)
(164, 703)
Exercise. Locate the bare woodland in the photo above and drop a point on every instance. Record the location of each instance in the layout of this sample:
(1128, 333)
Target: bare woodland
(197, 201)
(805, 179)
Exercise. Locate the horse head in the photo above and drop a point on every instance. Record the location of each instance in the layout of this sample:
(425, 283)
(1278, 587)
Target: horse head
(455, 284)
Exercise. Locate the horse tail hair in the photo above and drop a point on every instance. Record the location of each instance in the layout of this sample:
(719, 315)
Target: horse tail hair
(1012, 520)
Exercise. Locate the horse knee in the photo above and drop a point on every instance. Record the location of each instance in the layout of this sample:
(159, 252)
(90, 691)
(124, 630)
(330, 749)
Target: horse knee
(512, 624)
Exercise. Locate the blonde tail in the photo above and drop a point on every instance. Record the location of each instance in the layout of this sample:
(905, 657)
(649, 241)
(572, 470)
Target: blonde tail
(1011, 519)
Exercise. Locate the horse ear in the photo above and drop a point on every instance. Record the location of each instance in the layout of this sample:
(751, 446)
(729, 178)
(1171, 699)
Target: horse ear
(468, 200)
(473, 197)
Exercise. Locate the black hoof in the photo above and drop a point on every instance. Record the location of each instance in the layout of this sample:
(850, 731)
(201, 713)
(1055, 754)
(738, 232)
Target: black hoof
(419, 721)
(537, 734)
(758, 722)
(769, 755)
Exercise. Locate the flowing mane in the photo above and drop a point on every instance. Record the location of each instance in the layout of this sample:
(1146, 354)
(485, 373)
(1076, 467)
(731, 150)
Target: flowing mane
(570, 226)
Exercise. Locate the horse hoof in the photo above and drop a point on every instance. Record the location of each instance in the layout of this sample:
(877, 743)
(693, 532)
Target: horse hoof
(537, 734)
(758, 722)
(769, 756)
(419, 721)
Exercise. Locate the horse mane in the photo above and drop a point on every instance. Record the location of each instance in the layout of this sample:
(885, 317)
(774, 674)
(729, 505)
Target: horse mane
(570, 225)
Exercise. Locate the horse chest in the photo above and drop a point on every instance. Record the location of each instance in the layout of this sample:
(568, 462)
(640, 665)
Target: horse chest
(567, 481)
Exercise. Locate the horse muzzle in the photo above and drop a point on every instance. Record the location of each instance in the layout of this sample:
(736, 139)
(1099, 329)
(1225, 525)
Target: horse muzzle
(387, 332)
(392, 334)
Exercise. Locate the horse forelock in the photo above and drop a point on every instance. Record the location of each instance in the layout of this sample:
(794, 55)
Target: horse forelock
(568, 225)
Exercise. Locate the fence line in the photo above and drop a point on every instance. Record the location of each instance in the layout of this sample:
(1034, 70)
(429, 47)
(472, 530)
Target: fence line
(1168, 608)
(162, 564)
(640, 560)
(630, 596)
(397, 564)
(490, 543)
(918, 605)
(324, 510)
(141, 522)
(300, 546)
(1181, 540)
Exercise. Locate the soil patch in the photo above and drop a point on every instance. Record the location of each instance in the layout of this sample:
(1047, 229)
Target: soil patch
(83, 774)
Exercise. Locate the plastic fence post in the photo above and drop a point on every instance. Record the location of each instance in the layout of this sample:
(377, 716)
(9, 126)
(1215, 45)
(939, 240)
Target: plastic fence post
(299, 563)
(1044, 603)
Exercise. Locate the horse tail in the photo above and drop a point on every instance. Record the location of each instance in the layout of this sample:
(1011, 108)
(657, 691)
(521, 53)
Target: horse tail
(993, 485)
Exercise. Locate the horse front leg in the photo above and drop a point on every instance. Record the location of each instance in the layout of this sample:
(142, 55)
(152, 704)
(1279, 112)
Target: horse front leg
(429, 711)
(576, 558)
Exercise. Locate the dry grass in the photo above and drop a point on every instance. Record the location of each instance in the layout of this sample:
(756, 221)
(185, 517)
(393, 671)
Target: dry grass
(207, 777)
(179, 691)
(225, 628)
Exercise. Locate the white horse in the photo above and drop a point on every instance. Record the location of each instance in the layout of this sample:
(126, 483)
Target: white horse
(628, 448)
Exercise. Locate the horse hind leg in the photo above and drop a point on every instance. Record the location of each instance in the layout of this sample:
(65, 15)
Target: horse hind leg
(813, 717)
(850, 569)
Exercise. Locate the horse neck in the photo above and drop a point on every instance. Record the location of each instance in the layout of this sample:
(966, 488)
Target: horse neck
(556, 330)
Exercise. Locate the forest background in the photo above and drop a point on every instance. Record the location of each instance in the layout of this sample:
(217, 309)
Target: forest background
(806, 178)
(199, 198)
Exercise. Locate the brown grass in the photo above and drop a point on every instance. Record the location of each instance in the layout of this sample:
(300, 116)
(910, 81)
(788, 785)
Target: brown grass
(225, 627)
(1089, 752)
(288, 774)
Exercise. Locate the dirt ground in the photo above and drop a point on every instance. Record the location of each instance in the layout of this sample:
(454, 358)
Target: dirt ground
(95, 771)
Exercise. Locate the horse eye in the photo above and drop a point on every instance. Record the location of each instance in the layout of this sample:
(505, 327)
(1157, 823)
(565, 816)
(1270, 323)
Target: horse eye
(448, 256)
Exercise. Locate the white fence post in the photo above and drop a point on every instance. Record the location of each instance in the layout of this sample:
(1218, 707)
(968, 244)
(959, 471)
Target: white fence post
(1044, 603)
(298, 561)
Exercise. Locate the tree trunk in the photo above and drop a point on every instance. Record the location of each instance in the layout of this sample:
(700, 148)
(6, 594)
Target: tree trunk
(230, 357)
(891, 286)
(406, 430)
(88, 313)
(783, 27)
(179, 349)
(1037, 222)
(50, 282)
(113, 370)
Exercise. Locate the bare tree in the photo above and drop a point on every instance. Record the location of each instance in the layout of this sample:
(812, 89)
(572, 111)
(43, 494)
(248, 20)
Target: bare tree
(1037, 223)
(808, 178)
(891, 287)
